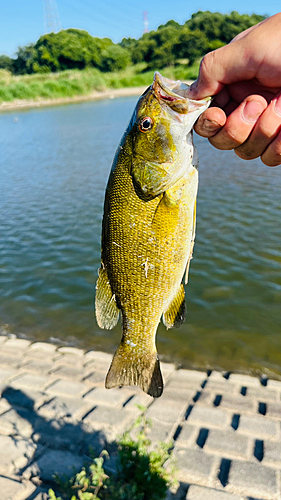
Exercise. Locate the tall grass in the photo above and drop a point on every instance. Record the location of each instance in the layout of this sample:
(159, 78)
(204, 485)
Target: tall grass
(78, 83)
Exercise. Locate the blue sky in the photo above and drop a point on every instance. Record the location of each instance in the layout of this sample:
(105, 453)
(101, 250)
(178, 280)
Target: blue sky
(22, 21)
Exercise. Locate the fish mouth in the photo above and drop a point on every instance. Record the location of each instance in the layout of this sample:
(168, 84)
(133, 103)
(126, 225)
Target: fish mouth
(175, 94)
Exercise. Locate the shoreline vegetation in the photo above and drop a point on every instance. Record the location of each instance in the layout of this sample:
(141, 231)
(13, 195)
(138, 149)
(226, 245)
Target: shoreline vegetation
(72, 65)
(73, 86)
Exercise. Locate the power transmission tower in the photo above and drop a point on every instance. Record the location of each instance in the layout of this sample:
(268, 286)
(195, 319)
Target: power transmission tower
(51, 17)
(145, 22)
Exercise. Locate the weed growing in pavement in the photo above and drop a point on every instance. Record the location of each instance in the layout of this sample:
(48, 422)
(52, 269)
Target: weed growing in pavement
(140, 475)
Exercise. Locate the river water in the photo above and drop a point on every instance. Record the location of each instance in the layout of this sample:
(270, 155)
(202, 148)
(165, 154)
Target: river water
(54, 164)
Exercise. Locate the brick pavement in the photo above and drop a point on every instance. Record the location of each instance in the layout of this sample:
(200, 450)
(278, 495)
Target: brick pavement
(226, 430)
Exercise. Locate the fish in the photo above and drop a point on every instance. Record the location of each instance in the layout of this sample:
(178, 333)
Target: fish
(148, 230)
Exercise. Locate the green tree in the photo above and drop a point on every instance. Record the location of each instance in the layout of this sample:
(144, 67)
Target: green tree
(191, 45)
(6, 62)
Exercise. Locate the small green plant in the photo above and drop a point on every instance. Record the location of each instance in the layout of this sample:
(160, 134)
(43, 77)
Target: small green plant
(141, 474)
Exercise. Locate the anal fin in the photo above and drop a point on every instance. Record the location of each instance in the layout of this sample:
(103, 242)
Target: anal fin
(131, 368)
(175, 313)
(191, 244)
(107, 312)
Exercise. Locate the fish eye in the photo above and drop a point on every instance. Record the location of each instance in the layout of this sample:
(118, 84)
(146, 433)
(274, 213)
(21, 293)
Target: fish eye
(145, 124)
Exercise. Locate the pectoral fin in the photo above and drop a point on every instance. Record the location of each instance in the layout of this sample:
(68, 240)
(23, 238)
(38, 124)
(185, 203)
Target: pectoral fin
(107, 312)
(175, 313)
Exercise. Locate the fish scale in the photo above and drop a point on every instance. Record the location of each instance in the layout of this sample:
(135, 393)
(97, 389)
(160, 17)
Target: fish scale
(148, 232)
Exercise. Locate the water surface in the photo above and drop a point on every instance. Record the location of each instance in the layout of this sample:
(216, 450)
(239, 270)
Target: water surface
(54, 164)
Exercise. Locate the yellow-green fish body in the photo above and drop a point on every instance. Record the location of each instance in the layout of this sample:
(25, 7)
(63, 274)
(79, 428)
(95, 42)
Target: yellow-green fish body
(148, 231)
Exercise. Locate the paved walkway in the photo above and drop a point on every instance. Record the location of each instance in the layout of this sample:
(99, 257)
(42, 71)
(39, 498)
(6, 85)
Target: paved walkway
(226, 431)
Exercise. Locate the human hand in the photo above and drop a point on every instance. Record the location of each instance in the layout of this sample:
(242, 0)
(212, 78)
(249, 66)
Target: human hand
(245, 77)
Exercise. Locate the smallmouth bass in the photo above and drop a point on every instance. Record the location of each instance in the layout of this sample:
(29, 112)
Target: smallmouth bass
(148, 230)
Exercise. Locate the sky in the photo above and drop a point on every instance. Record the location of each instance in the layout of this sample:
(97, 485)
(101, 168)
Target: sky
(23, 21)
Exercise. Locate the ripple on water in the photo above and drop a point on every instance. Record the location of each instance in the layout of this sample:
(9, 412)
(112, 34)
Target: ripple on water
(54, 167)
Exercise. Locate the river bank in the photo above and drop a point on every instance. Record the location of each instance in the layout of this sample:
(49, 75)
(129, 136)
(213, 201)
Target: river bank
(40, 102)
(225, 429)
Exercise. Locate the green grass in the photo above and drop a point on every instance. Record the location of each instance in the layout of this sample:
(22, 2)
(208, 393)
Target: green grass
(142, 472)
(73, 83)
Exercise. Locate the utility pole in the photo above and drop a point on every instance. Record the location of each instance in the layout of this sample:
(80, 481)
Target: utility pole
(51, 17)
(145, 22)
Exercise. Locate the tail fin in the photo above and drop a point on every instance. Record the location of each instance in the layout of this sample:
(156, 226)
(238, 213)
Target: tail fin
(130, 368)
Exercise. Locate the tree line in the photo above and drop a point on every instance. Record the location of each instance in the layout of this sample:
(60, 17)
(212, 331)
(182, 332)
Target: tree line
(170, 44)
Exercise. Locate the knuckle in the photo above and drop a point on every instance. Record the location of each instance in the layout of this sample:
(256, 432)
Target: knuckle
(244, 155)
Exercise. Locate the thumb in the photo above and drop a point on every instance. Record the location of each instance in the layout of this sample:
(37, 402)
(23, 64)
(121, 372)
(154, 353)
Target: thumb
(221, 67)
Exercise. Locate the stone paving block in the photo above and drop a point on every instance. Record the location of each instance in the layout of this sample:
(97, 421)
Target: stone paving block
(273, 410)
(238, 403)
(71, 350)
(244, 380)
(15, 453)
(4, 405)
(36, 367)
(26, 398)
(165, 412)
(221, 386)
(274, 384)
(9, 361)
(112, 397)
(67, 372)
(98, 355)
(14, 490)
(64, 407)
(200, 493)
(163, 432)
(215, 375)
(167, 369)
(183, 389)
(205, 398)
(11, 423)
(59, 433)
(68, 360)
(193, 464)
(272, 453)
(55, 462)
(189, 376)
(213, 417)
(139, 398)
(171, 394)
(263, 394)
(67, 388)
(43, 346)
(6, 374)
(258, 426)
(11, 352)
(41, 494)
(105, 416)
(187, 435)
(252, 478)
(228, 444)
(30, 381)
(94, 378)
(18, 344)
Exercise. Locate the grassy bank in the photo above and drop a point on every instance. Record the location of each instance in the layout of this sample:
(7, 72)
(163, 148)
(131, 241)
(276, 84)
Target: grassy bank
(74, 83)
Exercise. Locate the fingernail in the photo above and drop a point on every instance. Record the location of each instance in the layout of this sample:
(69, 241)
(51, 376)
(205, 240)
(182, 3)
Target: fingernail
(252, 110)
(210, 125)
(277, 105)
